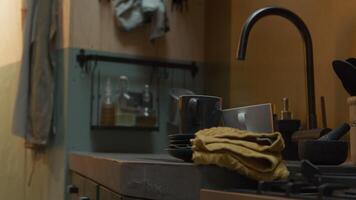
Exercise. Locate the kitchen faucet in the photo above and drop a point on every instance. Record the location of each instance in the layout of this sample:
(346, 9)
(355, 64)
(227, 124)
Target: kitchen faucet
(303, 30)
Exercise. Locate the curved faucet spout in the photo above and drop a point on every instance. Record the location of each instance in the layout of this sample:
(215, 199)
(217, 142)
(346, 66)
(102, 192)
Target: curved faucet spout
(298, 22)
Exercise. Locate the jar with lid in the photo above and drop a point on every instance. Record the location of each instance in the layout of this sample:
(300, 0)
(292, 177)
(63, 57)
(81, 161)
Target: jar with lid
(107, 115)
(146, 117)
(125, 114)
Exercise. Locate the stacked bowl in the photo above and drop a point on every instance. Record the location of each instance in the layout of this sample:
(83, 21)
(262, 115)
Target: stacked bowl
(196, 112)
(180, 146)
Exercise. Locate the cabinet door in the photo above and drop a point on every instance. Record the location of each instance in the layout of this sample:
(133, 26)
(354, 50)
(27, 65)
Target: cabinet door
(76, 189)
(85, 188)
(91, 190)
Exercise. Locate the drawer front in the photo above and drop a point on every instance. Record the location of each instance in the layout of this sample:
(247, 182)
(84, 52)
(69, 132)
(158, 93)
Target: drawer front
(83, 188)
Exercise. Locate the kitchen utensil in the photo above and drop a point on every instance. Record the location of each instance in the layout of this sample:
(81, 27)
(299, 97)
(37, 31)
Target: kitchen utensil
(327, 150)
(346, 73)
(323, 112)
(199, 112)
(312, 134)
(319, 152)
(256, 118)
(303, 30)
(183, 154)
(174, 95)
(337, 133)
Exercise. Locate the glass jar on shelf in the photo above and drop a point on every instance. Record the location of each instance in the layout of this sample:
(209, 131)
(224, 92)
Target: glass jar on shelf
(146, 116)
(125, 114)
(107, 115)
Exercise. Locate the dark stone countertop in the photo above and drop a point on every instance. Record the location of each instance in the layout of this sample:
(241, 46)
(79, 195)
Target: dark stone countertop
(153, 176)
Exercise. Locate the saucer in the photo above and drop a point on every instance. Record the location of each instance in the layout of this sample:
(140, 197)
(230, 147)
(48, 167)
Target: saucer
(183, 154)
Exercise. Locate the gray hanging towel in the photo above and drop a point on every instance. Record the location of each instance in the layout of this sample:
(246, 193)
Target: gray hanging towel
(160, 22)
(34, 105)
(131, 14)
(19, 126)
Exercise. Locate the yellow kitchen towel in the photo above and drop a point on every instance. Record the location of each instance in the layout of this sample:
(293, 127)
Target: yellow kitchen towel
(255, 155)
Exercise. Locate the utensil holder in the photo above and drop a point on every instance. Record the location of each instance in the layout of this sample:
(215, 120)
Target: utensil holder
(352, 107)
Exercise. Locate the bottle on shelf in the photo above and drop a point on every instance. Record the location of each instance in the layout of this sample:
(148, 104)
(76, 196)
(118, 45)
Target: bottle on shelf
(107, 117)
(146, 117)
(125, 114)
(146, 101)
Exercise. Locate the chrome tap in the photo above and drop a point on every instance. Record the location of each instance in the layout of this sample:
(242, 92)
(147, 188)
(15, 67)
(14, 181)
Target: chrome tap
(303, 30)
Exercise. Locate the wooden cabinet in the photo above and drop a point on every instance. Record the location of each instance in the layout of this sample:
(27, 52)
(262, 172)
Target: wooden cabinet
(83, 187)
(106, 194)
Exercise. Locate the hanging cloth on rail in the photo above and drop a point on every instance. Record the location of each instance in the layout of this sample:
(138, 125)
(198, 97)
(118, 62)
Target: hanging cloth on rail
(131, 14)
(33, 114)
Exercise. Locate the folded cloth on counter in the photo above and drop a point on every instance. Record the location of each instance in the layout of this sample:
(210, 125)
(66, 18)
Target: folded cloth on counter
(131, 14)
(255, 155)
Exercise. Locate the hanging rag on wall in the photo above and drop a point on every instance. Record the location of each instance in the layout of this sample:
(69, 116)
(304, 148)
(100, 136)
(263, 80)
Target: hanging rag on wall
(131, 14)
(33, 113)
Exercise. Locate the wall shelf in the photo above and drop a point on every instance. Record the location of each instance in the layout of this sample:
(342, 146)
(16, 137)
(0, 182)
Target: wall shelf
(89, 64)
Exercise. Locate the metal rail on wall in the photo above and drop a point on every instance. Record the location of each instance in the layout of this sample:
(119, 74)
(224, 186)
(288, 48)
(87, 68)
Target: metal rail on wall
(84, 58)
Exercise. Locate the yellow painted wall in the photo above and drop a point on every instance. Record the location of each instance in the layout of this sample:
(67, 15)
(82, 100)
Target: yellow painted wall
(23, 176)
(91, 25)
(10, 14)
(274, 65)
(12, 152)
(218, 48)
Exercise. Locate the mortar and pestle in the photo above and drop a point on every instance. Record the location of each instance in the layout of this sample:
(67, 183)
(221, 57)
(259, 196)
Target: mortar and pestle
(327, 150)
